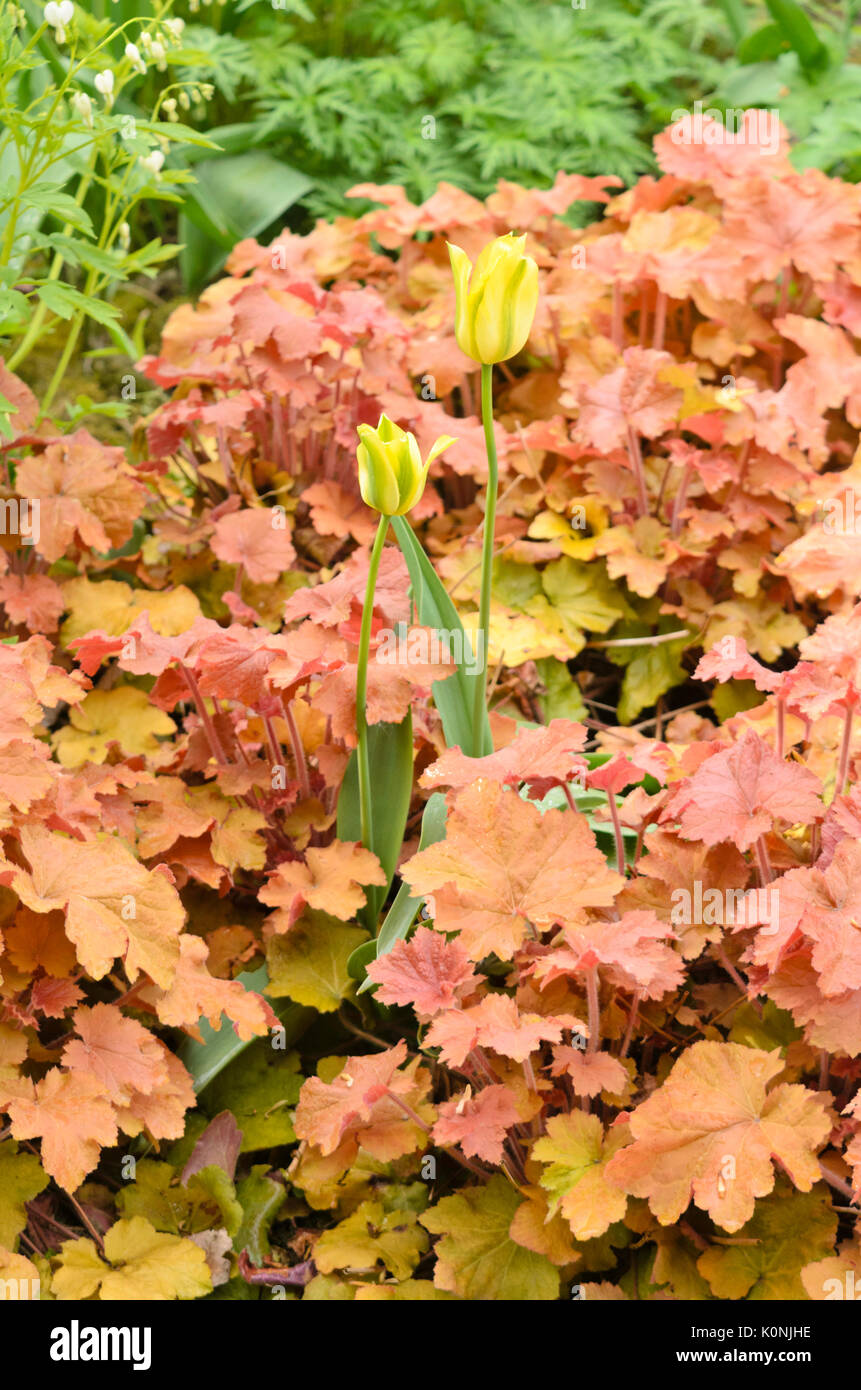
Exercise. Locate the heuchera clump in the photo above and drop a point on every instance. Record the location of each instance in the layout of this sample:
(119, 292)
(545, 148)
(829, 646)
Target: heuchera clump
(628, 1024)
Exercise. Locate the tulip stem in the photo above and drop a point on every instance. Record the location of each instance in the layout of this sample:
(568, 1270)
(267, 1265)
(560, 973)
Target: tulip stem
(486, 550)
(365, 814)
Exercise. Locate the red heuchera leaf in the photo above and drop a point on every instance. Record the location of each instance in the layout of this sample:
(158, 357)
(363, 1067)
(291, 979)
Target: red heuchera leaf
(711, 1132)
(257, 539)
(542, 758)
(427, 971)
(330, 879)
(233, 663)
(478, 1123)
(740, 793)
(503, 864)
(140, 649)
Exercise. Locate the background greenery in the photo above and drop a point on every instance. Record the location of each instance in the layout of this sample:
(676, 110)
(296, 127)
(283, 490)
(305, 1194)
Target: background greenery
(518, 91)
(303, 99)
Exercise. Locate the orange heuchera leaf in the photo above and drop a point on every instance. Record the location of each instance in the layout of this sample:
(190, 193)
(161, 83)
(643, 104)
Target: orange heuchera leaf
(712, 1131)
(826, 907)
(668, 875)
(53, 997)
(114, 905)
(633, 948)
(257, 539)
(120, 1053)
(478, 1123)
(631, 397)
(831, 1023)
(738, 795)
(333, 602)
(194, 993)
(807, 220)
(26, 773)
(330, 879)
(29, 682)
(358, 1106)
(83, 491)
(72, 1117)
(35, 600)
(495, 1023)
(590, 1072)
(739, 665)
(542, 758)
(503, 864)
(336, 512)
(427, 971)
(395, 674)
(36, 940)
(162, 1112)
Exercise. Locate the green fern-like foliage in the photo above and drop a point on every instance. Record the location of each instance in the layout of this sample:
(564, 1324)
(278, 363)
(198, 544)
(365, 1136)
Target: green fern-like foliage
(516, 91)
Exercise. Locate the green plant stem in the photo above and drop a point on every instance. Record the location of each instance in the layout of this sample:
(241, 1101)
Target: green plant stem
(487, 540)
(365, 812)
(65, 357)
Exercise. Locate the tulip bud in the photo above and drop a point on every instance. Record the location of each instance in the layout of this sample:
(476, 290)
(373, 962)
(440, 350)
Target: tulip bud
(495, 299)
(392, 476)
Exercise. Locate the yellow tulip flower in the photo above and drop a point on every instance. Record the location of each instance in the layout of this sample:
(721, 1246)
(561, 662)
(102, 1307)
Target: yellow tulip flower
(495, 299)
(392, 476)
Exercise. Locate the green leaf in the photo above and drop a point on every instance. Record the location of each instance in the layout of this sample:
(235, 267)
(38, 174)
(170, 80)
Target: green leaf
(259, 1089)
(390, 758)
(802, 37)
(309, 963)
(762, 45)
(21, 1179)
(261, 1198)
(787, 1231)
(454, 697)
(209, 1188)
(562, 698)
(477, 1258)
(48, 198)
(65, 302)
(236, 196)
